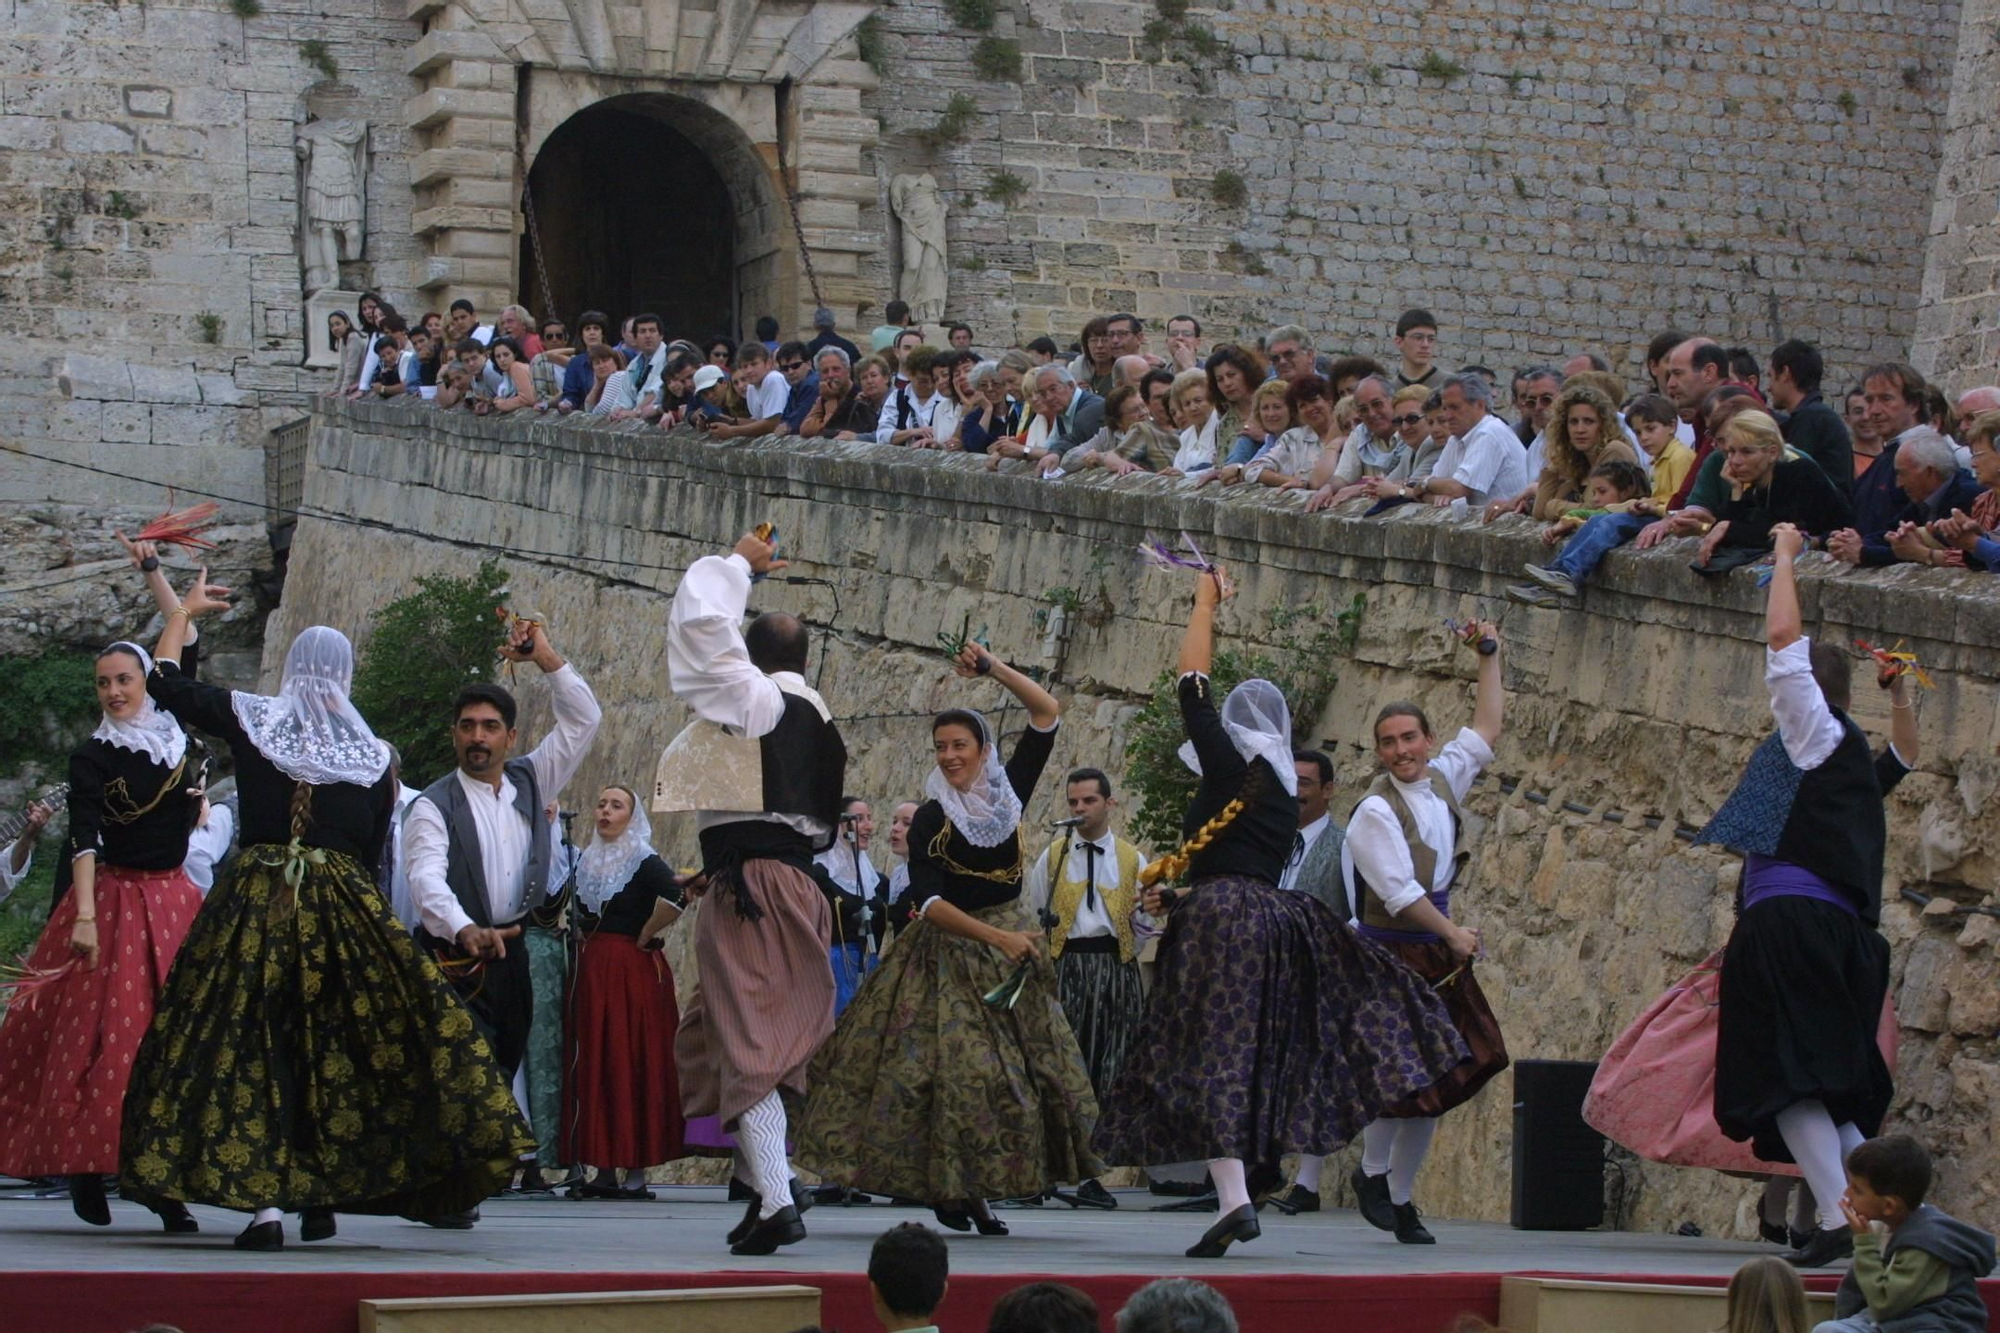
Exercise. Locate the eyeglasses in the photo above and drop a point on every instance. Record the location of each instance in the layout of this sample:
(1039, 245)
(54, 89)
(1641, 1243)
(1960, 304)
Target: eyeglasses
(790, 366)
(1289, 354)
(1539, 400)
(1409, 420)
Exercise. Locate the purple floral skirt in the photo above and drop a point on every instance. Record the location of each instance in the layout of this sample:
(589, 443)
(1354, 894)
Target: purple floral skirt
(1273, 1028)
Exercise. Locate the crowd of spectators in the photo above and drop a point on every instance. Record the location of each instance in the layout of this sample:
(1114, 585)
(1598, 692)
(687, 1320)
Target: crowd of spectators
(1709, 443)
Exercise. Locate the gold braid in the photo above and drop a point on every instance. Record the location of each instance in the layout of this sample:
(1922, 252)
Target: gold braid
(1175, 863)
(939, 850)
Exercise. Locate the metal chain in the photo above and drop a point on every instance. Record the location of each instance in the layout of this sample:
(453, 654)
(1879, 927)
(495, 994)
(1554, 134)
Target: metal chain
(805, 253)
(541, 264)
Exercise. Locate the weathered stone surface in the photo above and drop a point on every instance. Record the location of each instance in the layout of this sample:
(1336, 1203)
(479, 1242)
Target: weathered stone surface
(1641, 705)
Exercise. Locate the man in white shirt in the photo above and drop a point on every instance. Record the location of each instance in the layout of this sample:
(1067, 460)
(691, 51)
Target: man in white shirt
(1084, 888)
(18, 855)
(208, 843)
(765, 392)
(1314, 868)
(648, 365)
(1404, 850)
(463, 323)
(479, 850)
(1484, 457)
(761, 768)
(1540, 387)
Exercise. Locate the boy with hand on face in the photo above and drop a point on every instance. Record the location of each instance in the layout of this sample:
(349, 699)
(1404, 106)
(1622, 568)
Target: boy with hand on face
(1916, 1269)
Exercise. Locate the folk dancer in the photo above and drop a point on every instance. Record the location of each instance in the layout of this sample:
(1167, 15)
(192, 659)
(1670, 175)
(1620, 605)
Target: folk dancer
(762, 768)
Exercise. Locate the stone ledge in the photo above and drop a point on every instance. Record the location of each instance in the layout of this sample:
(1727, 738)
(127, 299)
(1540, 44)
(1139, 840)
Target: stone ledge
(1951, 616)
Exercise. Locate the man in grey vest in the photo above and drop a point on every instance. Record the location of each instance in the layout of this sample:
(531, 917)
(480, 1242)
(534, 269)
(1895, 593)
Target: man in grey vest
(477, 847)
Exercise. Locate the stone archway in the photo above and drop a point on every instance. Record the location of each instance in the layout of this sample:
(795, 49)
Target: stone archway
(769, 90)
(649, 202)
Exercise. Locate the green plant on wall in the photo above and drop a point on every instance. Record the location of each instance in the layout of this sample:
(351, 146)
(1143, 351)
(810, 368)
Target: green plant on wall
(319, 55)
(208, 326)
(955, 122)
(869, 46)
(1230, 189)
(997, 59)
(1301, 655)
(426, 647)
(1004, 187)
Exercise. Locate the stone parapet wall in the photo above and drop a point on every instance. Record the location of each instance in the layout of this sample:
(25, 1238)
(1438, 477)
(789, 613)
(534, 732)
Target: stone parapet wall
(1644, 702)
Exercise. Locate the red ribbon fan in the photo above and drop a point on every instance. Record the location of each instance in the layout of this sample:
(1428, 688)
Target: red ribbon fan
(182, 527)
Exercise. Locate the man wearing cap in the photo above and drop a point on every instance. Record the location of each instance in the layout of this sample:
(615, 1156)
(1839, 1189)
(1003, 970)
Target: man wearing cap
(826, 337)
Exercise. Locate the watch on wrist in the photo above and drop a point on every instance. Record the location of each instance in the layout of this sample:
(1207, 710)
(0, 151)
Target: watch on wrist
(149, 564)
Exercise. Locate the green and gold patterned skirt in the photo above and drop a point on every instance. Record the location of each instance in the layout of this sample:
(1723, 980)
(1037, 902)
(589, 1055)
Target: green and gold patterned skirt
(928, 1092)
(305, 1053)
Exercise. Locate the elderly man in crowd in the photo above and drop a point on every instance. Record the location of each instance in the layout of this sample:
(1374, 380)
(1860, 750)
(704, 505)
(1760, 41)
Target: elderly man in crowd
(1927, 471)
(1290, 350)
(1536, 395)
(1066, 415)
(1483, 457)
(838, 412)
(1971, 404)
(1183, 343)
(1373, 448)
(1177, 1305)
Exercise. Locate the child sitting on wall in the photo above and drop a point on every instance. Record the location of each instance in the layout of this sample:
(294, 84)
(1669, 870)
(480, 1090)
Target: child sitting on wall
(1916, 1269)
(1619, 507)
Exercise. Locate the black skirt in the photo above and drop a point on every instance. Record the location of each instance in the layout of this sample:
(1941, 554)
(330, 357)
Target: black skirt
(1803, 983)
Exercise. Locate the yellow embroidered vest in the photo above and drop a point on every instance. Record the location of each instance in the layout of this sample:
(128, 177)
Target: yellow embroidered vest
(1066, 896)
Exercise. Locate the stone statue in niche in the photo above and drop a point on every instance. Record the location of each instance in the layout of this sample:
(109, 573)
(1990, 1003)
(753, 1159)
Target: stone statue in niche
(920, 207)
(333, 184)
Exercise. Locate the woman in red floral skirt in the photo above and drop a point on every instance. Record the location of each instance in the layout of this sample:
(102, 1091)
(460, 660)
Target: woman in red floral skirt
(622, 1108)
(67, 1044)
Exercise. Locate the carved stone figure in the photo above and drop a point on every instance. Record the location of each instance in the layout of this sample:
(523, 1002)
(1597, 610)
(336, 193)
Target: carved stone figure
(921, 209)
(333, 195)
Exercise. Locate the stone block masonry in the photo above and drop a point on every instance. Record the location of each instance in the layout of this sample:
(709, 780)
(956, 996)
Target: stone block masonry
(1644, 702)
(1573, 177)
(147, 220)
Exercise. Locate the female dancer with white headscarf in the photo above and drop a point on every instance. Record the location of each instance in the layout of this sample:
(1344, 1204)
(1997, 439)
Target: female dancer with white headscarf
(305, 1053)
(1272, 1027)
(926, 1090)
(622, 1100)
(67, 1044)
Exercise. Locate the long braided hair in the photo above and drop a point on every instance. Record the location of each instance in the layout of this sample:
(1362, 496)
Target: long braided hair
(286, 899)
(1175, 863)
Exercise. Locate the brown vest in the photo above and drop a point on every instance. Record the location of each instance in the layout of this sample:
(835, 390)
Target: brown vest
(1423, 857)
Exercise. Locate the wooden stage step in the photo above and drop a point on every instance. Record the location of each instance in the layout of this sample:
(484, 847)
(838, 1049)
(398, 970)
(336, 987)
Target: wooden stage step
(1569, 1305)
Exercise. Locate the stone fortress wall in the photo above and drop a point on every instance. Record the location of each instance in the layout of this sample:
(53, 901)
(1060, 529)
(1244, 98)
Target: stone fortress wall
(1643, 704)
(1578, 178)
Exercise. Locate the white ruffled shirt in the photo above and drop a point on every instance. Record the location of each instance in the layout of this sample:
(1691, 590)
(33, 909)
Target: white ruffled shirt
(1375, 843)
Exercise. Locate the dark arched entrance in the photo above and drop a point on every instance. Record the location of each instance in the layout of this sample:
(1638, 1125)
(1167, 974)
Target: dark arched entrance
(633, 216)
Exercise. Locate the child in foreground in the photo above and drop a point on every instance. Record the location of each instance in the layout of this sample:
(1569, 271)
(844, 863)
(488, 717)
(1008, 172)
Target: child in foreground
(1916, 1269)
(1766, 1296)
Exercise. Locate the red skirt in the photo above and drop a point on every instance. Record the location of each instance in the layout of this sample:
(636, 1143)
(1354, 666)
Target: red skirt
(623, 1104)
(67, 1044)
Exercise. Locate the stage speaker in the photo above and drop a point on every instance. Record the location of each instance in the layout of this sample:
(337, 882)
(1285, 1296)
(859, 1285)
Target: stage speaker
(1558, 1159)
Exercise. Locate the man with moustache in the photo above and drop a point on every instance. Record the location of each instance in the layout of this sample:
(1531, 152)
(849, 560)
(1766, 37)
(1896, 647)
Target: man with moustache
(478, 849)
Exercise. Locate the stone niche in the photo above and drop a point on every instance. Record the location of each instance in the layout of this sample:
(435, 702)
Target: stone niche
(320, 351)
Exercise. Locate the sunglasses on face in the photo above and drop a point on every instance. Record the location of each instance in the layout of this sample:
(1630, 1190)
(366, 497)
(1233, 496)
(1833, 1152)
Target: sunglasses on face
(1409, 420)
(790, 366)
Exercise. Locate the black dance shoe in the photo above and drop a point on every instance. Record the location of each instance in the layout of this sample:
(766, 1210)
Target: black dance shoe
(954, 1219)
(174, 1217)
(262, 1236)
(533, 1181)
(1371, 1196)
(1241, 1224)
(802, 1201)
(603, 1185)
(1824, 1248)
(1410, 1228)
(1091, 1194)
(86, 1196)
(316, 1224)
(983, 1219)
(767, 1234)
(1292, 1200)
(1776, 1233)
